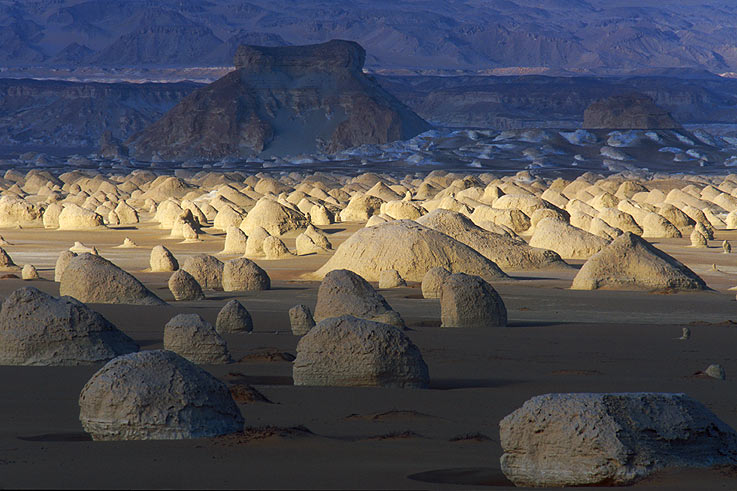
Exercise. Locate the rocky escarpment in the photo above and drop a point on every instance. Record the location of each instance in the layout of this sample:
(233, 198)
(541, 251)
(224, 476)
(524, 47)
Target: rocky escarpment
(631, 111)
(279, 101)
(76, 115)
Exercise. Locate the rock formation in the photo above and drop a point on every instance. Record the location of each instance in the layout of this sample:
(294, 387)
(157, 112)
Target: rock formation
(301, 320)
(432, 282)
(156, 395)
(192, 337)
(411, 249)
(581, 439)
(38, 329)
(631, 111)
(91, 279)
(509, 254)
(348, 351)
(469, 301)
(282, 100)
(162, 260)
(184, 287)
(632, 263)
(343, 292)
(206, 269)
(233, 318)
(244, 275)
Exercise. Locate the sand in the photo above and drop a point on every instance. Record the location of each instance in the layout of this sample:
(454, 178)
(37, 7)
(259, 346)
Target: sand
(445, 437)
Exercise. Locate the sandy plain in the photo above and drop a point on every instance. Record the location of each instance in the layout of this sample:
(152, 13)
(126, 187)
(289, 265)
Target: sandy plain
(445, 437)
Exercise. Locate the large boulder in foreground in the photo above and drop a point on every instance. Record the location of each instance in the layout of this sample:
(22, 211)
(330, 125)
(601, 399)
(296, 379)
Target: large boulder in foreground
(156, 395)
(348, 351)
(326, 103)
(508, 253)
(411, 249)
(343, 292)
(92, 279)
(38, 329)
(557, 440)
(632, 263)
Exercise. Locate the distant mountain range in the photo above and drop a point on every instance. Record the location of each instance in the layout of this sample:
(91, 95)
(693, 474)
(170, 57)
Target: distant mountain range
(562, 36)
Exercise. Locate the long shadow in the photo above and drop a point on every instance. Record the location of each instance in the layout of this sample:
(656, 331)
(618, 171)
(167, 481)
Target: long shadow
(535, 324)
(264, 380)
(468, 383)
(57, 437)
(465, 476)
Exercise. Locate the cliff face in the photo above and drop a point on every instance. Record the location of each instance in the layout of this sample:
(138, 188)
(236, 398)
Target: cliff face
(632, 111)
(75, 115)
(280, 101)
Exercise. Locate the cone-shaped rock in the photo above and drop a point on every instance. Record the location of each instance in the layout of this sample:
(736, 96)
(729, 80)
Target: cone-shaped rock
(632, 263)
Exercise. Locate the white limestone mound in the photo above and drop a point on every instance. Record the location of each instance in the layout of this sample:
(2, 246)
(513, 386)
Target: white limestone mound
(469, 301)
(507, 253)
(432, 282)
(235, 241)
(411, 249)
(620, 220)
(349, 351)
(657, 227)
(233, 318)
(16, 212)
(273, 217)
(568, 241)
(29, 272)
(192, 337)
(343, 292)
(585, 439)
(156, 395)
(61, 264)
(602, 229)
(162, 260)
(715, 371)
(698, 240)
(127, 215)
(127, 244)
(255, 242)
(275, 248)
(244, 275)
(92, 279)
(38, 329)
(227, 217)
(301, 320)
(6, 263)
(360, 208)
(631, 263)
(74, 217)
(80, 248)
(312, 240)
(321, 215)
(184, 287)
(390, 278)
(51, 215)
(206, 269)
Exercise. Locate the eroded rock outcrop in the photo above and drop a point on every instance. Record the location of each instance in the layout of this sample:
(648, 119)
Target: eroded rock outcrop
(581, 439)
(325, 103)
(156, 395)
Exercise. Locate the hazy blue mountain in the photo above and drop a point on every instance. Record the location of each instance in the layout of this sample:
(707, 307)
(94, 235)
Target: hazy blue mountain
(572, 35)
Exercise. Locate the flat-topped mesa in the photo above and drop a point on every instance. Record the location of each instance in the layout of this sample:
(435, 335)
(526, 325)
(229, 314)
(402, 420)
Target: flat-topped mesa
(333, 55)
(282, 101)
(632, 111)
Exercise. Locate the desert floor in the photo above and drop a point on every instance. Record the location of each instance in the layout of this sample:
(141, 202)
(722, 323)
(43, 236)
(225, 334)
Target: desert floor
(445, 437)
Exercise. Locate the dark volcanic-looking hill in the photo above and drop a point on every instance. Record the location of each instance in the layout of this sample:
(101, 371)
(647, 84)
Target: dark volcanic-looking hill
(282, 101)
(575, 35)
(631, 111)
